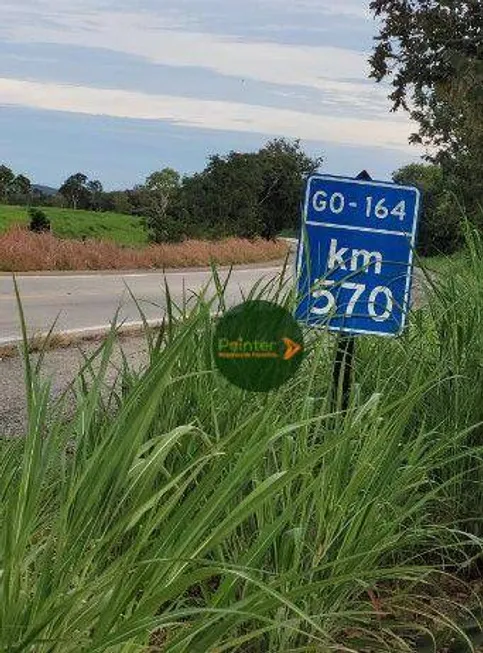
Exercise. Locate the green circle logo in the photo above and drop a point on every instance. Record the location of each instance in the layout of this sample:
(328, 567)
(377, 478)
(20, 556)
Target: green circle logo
(258, 346)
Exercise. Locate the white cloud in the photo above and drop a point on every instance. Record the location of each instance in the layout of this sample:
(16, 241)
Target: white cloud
(353, 8)
(207, 114)
(316, 8)
(145, 35)
(329, 70)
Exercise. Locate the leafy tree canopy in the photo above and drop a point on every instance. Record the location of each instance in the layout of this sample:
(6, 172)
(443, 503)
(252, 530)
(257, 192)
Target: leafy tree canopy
(246, 194)
(163, 181)
(432, 53)
(80, 192)
(440, 229)
(13, 187)
(153, 201)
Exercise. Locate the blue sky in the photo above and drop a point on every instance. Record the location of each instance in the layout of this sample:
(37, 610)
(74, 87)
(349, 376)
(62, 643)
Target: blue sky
(117, 88)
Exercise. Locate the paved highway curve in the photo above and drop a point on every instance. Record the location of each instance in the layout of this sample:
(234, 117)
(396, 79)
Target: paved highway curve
(84, 301)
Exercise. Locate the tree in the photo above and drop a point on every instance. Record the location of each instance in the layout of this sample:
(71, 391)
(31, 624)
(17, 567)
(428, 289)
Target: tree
(162, 185)
(75, 190)
(117, 201)
(20, 191)
(245, 194)
(164, 182)
(440, 229)
(153, 201)
(14, 188)
(284, 166)
(226, 196)
(7, 178)
(95, 190)
(432, 51)
(22, 185)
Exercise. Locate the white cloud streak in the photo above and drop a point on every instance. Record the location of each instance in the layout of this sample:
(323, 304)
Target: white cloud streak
(206, 114)
(352, 8)
(328, 70)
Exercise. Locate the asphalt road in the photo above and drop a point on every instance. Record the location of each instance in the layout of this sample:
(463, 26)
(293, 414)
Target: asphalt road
(59, 367)
(87, 301)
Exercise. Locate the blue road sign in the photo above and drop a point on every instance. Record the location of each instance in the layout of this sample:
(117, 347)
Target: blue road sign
(355, 255)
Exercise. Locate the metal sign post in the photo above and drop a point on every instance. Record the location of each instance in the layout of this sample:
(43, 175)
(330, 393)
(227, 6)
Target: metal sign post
(344, 356)
(355, 262)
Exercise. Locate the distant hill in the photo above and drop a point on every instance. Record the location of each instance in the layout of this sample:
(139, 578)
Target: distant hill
(46, 190)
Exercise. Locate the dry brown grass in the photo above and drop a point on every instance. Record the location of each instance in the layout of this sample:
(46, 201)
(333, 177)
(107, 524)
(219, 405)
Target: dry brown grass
(22, 251)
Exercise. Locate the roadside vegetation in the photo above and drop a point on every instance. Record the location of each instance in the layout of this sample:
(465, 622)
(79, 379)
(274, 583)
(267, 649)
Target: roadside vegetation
(242, 195)
(173, 512)
(23, 250)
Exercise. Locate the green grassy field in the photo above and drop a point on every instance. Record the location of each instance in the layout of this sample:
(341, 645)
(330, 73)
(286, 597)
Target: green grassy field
(67, 223)
(174, 512)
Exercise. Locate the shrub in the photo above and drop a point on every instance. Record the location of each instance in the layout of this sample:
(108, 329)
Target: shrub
(39, 222)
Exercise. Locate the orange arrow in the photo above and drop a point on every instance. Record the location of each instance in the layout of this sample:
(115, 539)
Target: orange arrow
(292, 348)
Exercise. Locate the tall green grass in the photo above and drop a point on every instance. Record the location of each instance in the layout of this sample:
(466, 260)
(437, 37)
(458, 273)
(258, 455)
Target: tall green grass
(174, 512)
